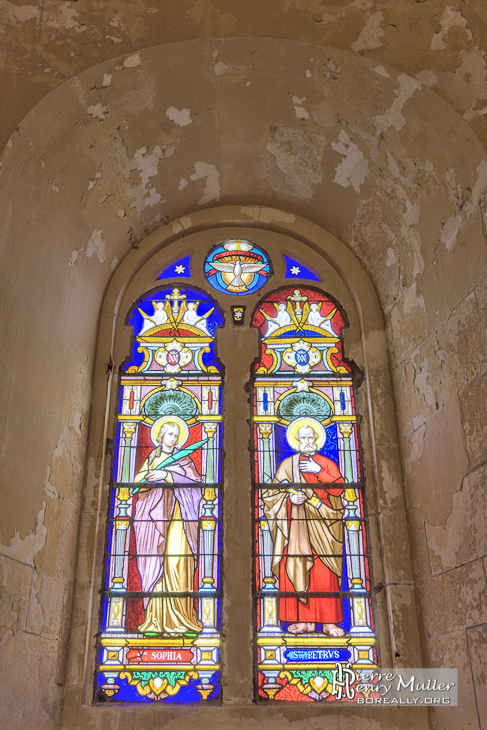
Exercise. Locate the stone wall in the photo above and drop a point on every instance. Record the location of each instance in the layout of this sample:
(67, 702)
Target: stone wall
(359, 148)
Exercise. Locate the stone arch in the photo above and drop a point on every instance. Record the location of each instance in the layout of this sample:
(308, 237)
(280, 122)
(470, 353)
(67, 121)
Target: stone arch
(365, 343)
(411, 207)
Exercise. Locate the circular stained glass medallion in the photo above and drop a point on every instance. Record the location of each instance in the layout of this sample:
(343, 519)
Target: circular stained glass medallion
(302, 357)
(237, 267)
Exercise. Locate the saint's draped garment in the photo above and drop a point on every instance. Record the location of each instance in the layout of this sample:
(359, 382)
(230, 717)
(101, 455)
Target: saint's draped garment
(166, 534)
(307, 540)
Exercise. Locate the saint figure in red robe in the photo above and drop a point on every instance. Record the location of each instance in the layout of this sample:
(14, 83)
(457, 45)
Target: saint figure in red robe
(306, 524)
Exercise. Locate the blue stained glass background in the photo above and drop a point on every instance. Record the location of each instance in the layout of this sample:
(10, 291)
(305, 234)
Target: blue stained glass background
(303, 334)
(330, 449)
(214, 321)
(170, 271)
(304, 271)
(189, 693)
(104, 615)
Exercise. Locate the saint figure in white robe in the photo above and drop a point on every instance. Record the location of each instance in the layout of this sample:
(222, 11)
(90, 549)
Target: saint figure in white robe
(158, 318)
(316, 319)
(282, 319)
(194, 319)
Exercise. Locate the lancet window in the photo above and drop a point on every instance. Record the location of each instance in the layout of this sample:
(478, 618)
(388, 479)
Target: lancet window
(312, 566)
(160, 629)
(160, 623)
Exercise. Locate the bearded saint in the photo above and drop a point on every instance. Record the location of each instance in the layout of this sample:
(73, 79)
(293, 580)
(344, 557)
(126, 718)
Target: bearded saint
(306, 526)
(166, 534)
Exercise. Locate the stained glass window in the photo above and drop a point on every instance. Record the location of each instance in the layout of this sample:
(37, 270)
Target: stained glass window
(297, 270)
(237, 267)
(160, 623)
(179, 268)
(312, 564)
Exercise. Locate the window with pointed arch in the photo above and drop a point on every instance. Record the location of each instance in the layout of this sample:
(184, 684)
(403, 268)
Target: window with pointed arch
(160, 628)
(160, 634)
(313, 610)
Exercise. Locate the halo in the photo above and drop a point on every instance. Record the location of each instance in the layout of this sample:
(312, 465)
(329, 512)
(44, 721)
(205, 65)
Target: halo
(157, 425)
(294, 426)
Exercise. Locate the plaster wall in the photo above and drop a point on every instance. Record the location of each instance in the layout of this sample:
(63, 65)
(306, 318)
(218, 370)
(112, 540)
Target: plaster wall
(360, 149)
(365, 342)
(441, 44)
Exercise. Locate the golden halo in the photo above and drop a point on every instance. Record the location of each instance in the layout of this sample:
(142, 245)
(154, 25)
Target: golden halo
(294, 426)
(157, 425)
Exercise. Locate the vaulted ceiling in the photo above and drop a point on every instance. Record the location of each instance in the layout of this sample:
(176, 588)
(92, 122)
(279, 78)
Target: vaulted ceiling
(441, 44)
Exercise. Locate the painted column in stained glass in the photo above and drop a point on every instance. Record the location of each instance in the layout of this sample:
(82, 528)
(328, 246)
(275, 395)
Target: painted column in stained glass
(160, 626)
(312, 571)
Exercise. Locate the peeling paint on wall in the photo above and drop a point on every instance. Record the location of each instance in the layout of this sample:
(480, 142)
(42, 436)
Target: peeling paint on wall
(393, 117)
(50, 489)
(143, 165)
(98, 111)
(293, 161)
(21, 13)
(451, 19)
(211, 176)
(391, 257)
(25, 549)
(371, 34)
(449, 231)
(132, 61)
(423, 384)
(95, 245)
(354, 168)
(181, 224)
(181, 117)
(379, 69)
(299, 109)
(66, 18)
(465, 84)
(219, 67)
(93, 182)
(480, 183)
(427, 78)
(464, 203)
(56, 16)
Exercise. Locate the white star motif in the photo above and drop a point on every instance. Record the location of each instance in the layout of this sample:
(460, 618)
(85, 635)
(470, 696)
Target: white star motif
(295, 270)
(180, 269)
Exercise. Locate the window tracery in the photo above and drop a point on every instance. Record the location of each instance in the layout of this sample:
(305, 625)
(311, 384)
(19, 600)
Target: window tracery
(160, 632)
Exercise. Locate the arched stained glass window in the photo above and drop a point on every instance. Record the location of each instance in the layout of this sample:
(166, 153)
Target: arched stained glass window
(312, 564)
(160, 635)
